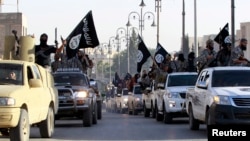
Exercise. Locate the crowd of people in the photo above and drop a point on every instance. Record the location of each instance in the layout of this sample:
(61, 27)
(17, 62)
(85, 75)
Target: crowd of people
(43, 53)
(178, 63)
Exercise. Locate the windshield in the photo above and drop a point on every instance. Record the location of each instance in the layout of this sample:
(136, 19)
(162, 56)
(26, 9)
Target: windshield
(11, 74)
(70, 79)
(137, 90)
(229, 78)
(182, 80)
(125, 92)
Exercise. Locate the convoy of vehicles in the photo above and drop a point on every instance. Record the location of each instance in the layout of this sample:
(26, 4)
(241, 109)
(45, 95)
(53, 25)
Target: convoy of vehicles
(220, 96)
(32, 96)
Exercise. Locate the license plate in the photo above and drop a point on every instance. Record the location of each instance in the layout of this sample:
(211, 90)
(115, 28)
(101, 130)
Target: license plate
(65, 94)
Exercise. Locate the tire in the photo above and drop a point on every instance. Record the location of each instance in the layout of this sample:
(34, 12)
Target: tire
(5, 132)
(120, 109)
(87, 117)
(167, 117)
(193, 123)
(99, 110)
(22, 131)
(146, 111)
(208, 119)
(153, 111)
(158, 116)
(95, 114)
(47, 126)
(134, 110)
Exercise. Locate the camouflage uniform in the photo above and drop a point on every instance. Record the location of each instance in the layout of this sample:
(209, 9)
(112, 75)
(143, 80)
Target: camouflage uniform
(181, 66)
(236, 54)
(202, 59)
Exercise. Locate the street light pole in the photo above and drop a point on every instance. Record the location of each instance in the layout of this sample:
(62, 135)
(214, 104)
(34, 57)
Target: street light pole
(183, 25)
(195, 30)
(141, 17)
(110, 53)
(119, 31)
(232, 23)
(158, 9)
(128, 45)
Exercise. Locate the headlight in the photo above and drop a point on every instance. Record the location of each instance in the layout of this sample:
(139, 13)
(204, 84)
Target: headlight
(137, 99)
(5, 101)
(81, 94)
(125, 100)
(173, 95)
(224, 100)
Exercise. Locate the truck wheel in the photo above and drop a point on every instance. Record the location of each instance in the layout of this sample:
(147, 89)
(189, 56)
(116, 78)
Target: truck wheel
(95, 114)
(159, 117)
(146, 111)
(46, 127)
(99, 110)
(4, 132)
(134, 110)
(153, 111)
(193, 123)
(22, 131)
(87, 117)
(208, 118)
(121, 110)
(167, 117)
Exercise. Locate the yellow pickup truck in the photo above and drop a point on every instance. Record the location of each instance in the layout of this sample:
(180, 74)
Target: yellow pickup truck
(27, 98)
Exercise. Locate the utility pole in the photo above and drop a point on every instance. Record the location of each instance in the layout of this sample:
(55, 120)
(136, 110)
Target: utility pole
(183, 25)
(232, 23)
(195, 30)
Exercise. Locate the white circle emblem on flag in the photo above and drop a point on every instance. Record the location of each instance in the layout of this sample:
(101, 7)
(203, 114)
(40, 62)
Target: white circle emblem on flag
(74, 42)
(139, 56)
(227, 40)
(159, 58)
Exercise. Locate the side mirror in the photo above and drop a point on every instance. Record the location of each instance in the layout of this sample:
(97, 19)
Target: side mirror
(202, 85)
(147, 90)
(93, 83)
(160, 85)
(35, 83)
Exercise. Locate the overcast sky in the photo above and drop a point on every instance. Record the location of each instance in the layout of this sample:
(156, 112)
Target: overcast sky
(43, 16)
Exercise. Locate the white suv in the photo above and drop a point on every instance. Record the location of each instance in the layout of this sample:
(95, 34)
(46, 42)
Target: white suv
(122, 101)
(170, 101)
(135, 104)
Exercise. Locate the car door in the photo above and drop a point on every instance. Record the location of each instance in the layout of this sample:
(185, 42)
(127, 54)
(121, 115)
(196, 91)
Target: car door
(33, 96)
(201, 94)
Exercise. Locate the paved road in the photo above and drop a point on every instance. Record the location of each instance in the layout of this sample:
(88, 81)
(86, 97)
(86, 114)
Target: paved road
(115, 126)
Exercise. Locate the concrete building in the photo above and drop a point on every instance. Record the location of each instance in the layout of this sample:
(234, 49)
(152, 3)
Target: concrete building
(244, 32)
(9, 22)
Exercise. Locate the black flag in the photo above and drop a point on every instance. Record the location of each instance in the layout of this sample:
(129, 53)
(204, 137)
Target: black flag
(83, 36)
(223, 37)
(142, 55)
(160, 54)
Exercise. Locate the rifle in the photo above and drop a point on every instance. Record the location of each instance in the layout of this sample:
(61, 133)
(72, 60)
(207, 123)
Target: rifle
(18, 41)
(56, 42)
(244, 59)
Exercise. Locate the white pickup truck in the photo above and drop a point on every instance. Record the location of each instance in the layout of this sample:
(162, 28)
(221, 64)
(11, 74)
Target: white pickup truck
(170, 99)
(221, 96)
